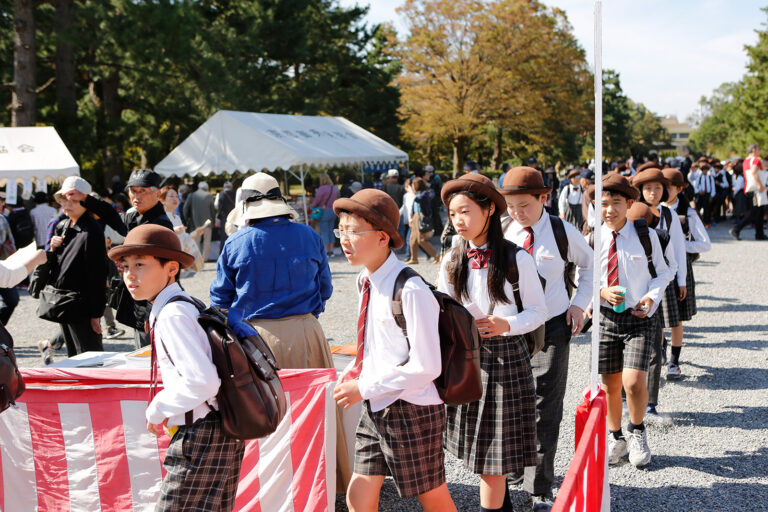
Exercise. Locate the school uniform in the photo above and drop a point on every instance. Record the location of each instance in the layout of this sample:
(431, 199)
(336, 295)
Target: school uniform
(626, 340)
(550, 366)
(569, 204)
(704, 186)
(721, 193)
(670, 309)
(403, 421)
(497, 434)
(202, 464)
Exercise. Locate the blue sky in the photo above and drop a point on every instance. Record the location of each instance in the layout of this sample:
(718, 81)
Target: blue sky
(669, 52)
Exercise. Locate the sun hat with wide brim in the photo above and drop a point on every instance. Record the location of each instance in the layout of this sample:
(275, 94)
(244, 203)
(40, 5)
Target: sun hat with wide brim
(649, 176)
(675, 177)
(616, 183)
(152, 240)
(648, 165)
(524, 180)
(376, 207)
(474, 183)
(261, 198)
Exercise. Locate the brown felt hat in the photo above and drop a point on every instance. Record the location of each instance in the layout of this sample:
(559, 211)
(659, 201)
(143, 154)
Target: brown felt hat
(475, 183)
(616, 183)
(648, 165)
(152, 240)
(649, 176)
(640, 210)
(524, 180)
(573, 172)
(376, 207)
(674, 177)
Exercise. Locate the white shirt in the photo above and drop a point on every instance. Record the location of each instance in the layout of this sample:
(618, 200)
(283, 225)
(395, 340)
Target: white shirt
(534, 311)
(551, 267)
(382, 380)
(721, 179)
(677, 243)
(738, 184)
(175, 219)
(705, 184)
(192, 380)
(698, 239)
(633, 266)
(569, 195)
(11, 275)
(41, 216)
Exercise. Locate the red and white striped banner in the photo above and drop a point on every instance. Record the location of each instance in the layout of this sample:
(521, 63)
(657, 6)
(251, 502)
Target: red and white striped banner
(78, 442)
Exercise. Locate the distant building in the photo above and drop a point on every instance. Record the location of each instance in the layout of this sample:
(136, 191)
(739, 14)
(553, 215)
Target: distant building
(679, 133)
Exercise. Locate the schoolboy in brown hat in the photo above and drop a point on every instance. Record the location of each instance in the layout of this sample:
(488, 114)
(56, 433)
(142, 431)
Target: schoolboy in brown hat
(569, 202)
(403, 421)
(626, 338)
(538, 233)
(202, 464)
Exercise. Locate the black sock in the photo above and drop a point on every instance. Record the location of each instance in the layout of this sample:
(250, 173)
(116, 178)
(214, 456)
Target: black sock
(632, 427)
(483, 509)
(675, 359)
(617, 434)
(507, 505)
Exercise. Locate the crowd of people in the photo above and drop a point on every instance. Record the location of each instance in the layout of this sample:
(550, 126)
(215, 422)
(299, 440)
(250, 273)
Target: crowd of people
(273, 278)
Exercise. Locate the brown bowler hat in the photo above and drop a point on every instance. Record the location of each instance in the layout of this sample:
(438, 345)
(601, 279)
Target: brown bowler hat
(649, 176)
(152, 240)
(376, 207)
(640, 210)
(524, 180)
(648, 165)
(573, 172)
(617, 183)
(674, 177)
(475, 183)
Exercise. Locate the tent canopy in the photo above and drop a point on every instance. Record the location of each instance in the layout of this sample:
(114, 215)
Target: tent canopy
(35, 152)
(244, 141)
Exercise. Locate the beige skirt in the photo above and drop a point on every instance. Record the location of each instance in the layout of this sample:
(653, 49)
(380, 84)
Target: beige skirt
(299, 342)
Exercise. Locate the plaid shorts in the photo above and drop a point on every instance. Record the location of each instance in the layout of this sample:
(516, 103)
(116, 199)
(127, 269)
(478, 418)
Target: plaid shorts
(203, 468)
(625, 341)
(669, 309)
(405, 441)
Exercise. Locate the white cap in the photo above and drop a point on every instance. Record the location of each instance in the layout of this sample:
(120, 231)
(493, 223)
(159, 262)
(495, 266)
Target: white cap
(356, 187)
(429, 168)
(393, 173)
(73, 183)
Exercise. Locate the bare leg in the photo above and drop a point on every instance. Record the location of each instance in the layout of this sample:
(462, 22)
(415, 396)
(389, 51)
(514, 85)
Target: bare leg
(437, 500)
(635, 384)
(492, 489)
(612, 383)
(363, 493)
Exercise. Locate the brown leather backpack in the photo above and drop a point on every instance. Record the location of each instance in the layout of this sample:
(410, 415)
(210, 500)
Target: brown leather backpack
(251, 397)
(11, 383)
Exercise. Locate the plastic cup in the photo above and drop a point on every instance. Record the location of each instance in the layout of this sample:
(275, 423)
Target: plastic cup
(620, 308)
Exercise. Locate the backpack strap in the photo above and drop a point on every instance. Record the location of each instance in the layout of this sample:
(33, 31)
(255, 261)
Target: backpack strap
(682, 213)
(397, 302)
(560, 236)
(513, 274)
(667, 214)
(641, 226)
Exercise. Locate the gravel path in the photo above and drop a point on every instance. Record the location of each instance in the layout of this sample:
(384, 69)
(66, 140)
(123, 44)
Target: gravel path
(714, 453)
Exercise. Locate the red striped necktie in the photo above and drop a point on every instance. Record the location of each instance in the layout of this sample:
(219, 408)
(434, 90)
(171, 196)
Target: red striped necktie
(613, 262)
(358, 367)
(528, 245)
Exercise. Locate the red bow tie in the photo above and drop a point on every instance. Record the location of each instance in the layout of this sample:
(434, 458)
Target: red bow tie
(479, 257)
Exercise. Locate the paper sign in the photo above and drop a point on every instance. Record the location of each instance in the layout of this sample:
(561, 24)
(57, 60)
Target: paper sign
(26, 191)
(10, 192)
(41, 186)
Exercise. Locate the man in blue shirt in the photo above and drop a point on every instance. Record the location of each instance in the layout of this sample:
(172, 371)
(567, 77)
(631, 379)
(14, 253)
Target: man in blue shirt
(273, 276)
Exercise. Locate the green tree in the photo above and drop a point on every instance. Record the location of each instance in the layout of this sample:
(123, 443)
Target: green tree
(616, 118)
(646, 133)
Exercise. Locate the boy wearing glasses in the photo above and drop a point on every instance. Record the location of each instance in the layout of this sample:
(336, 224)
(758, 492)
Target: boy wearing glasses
(403, 421)
(273, 276)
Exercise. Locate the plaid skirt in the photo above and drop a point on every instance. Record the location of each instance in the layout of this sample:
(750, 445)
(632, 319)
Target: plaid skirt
(202, 469)
(497, 434)
(573, 215)
(669, 308)
(687, 307)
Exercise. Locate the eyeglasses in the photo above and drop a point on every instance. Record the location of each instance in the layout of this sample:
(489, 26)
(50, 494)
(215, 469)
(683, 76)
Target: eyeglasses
(351, 234)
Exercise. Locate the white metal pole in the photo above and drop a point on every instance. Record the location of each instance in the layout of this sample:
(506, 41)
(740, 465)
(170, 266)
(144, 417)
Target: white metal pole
(598, 195)
(303, 195)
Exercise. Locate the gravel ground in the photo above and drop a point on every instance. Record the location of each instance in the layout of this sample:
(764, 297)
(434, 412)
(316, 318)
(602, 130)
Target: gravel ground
(713, 455)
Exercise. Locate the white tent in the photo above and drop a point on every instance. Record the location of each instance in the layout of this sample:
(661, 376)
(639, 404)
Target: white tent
(245, 141)
(34, 153)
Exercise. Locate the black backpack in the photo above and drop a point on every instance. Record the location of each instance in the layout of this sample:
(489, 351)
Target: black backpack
(535, 338)
(22, 227)
(682, 213)
(251, 398)
(558, 229)
(459, 381)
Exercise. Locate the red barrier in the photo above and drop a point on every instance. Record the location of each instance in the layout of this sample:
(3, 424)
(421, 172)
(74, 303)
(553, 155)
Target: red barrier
(582, 488)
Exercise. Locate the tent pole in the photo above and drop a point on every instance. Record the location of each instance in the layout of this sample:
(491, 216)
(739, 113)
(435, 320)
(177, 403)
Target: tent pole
(303, 195)
(362, 174)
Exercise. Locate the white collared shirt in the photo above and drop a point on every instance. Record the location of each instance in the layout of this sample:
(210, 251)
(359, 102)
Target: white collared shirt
(192, 379)
(551, 266)
(676, 243)
(383, 380)
(569, 195)
(705, 184)
(633, 266)
(698, 240)
(534, 311)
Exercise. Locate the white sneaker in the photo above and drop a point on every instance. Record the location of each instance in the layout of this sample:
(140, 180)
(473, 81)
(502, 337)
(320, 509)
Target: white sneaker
(639, 453)
(617, 448)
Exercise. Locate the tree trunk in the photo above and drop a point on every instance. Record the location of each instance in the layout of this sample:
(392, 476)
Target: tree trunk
(24, 62)
(105, 98)
(459, 154)
(497, 156)
(66, 98)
